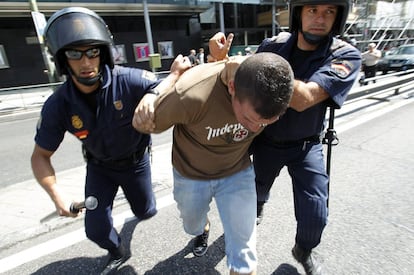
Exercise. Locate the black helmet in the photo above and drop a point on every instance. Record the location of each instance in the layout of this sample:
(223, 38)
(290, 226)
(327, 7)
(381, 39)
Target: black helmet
(296, 7)
(76, 26)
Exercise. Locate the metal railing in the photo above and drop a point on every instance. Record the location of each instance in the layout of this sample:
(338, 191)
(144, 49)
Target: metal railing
(32, 97)
(22, 98)
(403, 81)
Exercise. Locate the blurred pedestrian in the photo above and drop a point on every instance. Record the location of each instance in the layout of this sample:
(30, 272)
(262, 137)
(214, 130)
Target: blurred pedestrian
(370, 60)
(192, 57)
(200, 56)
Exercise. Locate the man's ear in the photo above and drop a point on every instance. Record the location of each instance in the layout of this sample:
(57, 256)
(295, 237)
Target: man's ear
(230, 87)
(224, 77)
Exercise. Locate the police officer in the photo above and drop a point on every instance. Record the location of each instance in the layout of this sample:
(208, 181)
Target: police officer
(325, 69)
(96, 104)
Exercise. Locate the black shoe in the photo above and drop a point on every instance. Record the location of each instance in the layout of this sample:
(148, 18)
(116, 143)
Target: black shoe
(308, 261)
(201, 243)
(259, 217)
(116, 259)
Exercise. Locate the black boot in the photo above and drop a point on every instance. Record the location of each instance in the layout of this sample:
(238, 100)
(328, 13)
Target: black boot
(308, 261)
(259, 217)
(117, 257)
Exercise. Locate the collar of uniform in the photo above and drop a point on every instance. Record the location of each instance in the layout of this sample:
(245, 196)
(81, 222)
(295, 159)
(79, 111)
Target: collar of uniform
(321, 51)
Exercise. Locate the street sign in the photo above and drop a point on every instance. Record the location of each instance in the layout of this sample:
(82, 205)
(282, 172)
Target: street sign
(40, 24)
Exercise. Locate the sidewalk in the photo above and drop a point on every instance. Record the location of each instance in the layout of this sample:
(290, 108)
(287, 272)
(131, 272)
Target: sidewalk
(30, 212)
(28, 209)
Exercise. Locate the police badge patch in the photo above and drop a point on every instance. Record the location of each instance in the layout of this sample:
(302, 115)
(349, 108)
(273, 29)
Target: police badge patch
(341, 68)
(77, 122)
(118, 105)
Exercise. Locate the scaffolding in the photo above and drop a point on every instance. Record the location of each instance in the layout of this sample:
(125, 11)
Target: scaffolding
(387, 27)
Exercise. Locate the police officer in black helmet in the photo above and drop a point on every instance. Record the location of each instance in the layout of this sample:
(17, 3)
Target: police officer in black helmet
(325, 69)
(96, 104)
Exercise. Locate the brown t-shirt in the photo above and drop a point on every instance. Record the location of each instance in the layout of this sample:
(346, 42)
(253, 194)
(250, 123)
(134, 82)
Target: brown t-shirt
(208, 141)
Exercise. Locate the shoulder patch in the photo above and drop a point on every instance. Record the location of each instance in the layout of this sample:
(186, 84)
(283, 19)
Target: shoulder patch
(341, 68)
(149, 75)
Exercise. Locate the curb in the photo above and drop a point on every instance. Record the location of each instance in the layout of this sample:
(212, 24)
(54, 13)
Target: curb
(19, 114)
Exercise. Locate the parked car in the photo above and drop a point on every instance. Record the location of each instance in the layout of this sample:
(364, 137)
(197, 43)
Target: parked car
(401, 59)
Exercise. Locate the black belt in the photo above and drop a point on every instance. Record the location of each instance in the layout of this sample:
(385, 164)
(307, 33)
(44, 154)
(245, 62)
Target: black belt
(117, 163)
(291, 143)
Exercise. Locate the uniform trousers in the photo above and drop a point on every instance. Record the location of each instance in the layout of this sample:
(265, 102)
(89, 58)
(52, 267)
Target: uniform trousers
(370, 71)
(103, 183)
(305, 164)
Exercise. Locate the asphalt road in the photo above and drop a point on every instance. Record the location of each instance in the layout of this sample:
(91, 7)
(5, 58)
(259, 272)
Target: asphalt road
(16, 146)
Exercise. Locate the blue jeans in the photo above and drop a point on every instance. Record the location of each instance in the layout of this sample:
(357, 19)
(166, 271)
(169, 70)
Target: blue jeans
(235, 198)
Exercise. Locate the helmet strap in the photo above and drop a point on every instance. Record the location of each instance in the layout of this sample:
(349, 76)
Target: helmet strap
(87, 81)
(313, 39)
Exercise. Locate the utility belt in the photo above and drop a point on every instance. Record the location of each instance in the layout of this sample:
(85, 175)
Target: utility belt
(118, 163)
(292, 143)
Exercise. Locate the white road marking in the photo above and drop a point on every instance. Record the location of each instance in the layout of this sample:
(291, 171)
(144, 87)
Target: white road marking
(68, 239)
(367, 117)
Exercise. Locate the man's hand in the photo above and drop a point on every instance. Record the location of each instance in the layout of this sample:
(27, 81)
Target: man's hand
(143, 120)
(219, 46)
(180, 65)
(63, 208)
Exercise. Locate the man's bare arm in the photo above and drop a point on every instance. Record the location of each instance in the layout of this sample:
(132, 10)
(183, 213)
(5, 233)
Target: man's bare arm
(306, 95)
(45, 175)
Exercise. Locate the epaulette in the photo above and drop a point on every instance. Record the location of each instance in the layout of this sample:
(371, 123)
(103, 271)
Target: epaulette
(282, 37)
(338, 43)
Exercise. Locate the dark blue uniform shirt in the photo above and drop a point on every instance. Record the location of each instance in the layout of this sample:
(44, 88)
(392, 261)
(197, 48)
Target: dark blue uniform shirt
(107, 134)
(333, 66)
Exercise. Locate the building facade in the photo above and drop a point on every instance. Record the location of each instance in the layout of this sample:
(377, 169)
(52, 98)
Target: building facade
(176, 27)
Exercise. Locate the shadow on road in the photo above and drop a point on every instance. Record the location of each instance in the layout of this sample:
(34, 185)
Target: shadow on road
(182, 262)
(86, 265)
(285, 269)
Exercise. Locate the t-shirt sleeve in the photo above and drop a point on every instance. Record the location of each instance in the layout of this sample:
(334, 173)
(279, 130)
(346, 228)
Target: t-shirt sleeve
(50, 129)
(185, 103)
(173, 108)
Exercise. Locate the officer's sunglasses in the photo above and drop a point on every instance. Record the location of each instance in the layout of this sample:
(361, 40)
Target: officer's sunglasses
(77, 54)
